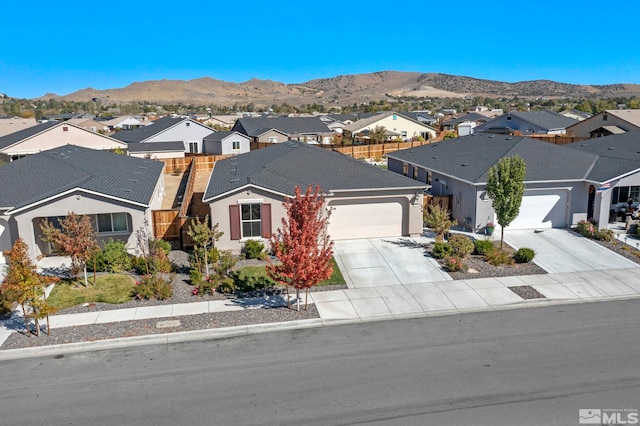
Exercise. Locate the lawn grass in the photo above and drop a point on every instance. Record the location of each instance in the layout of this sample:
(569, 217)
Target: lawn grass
(111, 288)
(261, 272)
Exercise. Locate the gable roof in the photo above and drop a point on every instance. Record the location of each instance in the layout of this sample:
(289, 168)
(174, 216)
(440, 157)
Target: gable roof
(20, 135)
(220, 136)
(617, 155)
(547, 120)
(281, 167)
(470, 116)
(366, 122)
(469, 158)
(289, 125)
(631, 116)
(143, 133)
(40, 176)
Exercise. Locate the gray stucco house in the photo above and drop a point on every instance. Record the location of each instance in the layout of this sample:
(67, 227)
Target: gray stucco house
(227, 143)
(564, 183)
(528, 122)
(117, 191)
(246, 194)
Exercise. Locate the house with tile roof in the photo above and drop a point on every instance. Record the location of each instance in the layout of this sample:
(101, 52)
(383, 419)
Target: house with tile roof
(303, 129)
(117, 191)
(564, 183)
(246, 193)
(528, 122)
(397, 125)
(52, 134)
(609, 122)
(169, 129)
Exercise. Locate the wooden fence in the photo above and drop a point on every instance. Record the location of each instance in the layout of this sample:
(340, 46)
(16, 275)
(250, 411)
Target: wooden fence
(201, 162)
(557, 139)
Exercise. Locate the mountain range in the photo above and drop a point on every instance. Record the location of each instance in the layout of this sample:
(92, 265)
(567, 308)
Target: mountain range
(341, 90)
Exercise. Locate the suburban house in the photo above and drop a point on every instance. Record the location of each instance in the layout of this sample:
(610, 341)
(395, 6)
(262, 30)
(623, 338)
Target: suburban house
(227, 143)
(473, 118)
(303, 129)
(53, 134)
(246, 193)
(422, 116)
(528, 122)
(117, 191)
(609, 122)
(156, 150)
(397, 125)
(576, 114)
(223, 121)
(564, 183)
(10, 125)
(170, 129)
(124, 122)
(89, 124)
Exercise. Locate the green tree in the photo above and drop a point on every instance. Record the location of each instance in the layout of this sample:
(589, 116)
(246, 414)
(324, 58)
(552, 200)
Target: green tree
(505, 187)
(203, 237)
(439, 219)
(378, 134)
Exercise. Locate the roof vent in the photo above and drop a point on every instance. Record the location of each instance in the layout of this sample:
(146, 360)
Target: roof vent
(584, 144)
(491, 136)
(465, 164)
(611, 148)
(434, 157)
(125, 190)
(234, 180)
(508, 139)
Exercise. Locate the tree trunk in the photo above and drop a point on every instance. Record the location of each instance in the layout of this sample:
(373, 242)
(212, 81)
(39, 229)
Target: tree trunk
(48, 326)
(501, 236)
(306, 297)
(288, 299)
(26, 320)
(95, 266)
(86, 281)
(298, 298)
(35, 320)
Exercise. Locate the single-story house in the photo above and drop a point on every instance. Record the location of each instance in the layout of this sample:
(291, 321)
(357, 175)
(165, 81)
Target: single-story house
(156, 150)
(528, 122)
(564, 183)
(303, 129)
(52, 134)
(396, 124)
(170, 129)
(609, 122)
(227, 143)
(473, 117)
(246, 194)
(117, 191)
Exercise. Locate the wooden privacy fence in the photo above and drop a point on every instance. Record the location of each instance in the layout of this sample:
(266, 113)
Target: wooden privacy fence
(201, 162)
(557, 139)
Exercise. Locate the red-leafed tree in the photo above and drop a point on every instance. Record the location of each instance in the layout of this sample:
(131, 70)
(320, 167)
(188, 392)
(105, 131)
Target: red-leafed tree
(25, 286)
(75, 237)
(302, 245)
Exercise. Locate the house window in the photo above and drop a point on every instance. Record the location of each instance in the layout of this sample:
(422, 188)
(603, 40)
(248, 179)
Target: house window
(236, 144)
(273, 139)
(428, 177)
(403, 133)
(415, 173)
(425, 135)
(193, 147)
(405, 169)
(111, 222)
(250, 221)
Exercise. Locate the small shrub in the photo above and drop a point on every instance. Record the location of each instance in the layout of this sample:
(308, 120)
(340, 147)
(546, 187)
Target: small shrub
(5, 304)
(227, 285)
(499, 257)
(97, 262)
(604, 235)
(483, 247)
(437, 218)
(115, 256)
(205, 286)
(442, 250)
(196, 277)
(254, 250)
(160, 244)
(248, 282)
(524, 255)
(455, 264)
(153, 287)
(226, 261)
(590, 230)
(462, 245)
(138, 263)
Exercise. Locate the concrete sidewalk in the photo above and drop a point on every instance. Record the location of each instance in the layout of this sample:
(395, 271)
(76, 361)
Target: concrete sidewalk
(400, 300)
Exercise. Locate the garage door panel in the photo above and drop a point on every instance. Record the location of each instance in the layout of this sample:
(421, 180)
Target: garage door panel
(370, 220)
(542, 209)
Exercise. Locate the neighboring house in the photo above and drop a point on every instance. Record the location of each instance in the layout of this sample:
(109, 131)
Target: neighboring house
(337, 122)
(227, 143)
(117, 191)
(609, 122)
(94, 126)
(473, 117)
(246, 194)
(68, 116)
(303, 129)
(576, 114)
(561, 180)
(120, 123)
(170, 129)
(50, 135)
(224, 121)
(423, 117)
(156, 150)
(396, 124)
(528, 122)
(10, 125)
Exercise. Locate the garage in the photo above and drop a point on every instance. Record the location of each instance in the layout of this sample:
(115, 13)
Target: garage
(350, 220)
(542, 209)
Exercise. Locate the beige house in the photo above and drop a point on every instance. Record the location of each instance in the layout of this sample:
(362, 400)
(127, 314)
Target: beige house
(246, 193)
(396, 124)
(10, 125)
(53, 134)
(609, 122)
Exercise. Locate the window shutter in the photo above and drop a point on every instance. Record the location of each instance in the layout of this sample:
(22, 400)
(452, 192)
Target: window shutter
(234, 217)
(265, 218)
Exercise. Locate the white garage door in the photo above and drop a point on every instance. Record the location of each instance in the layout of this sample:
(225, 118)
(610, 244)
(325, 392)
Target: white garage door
(542, 209)
(367, 220)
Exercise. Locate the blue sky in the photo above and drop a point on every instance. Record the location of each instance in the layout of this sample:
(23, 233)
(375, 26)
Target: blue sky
(64, 48)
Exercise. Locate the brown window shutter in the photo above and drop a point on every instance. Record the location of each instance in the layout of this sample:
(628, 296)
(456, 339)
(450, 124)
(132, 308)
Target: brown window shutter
(265, 218)
(234, 217)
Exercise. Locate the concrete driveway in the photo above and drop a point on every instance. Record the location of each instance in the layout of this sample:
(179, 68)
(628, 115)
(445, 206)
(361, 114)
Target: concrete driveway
(379, 262)
(559, 250)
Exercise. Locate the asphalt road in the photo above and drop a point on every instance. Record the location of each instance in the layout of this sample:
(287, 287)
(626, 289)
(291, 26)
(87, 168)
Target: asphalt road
(523, 366)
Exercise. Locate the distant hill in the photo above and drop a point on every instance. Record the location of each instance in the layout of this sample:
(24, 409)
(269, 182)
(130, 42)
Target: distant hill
(343, 89)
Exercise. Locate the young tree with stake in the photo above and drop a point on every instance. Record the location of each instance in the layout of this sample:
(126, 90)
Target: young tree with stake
(505, 187)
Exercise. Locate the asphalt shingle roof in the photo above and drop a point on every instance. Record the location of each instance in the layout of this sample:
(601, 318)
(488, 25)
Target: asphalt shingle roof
(145, 132)
(289, 125)
(548, 120)
(283, 166)
(40, 176)
(617, 155)
(470, 116)
(13, 138)
(470, 157)
(155, 146)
